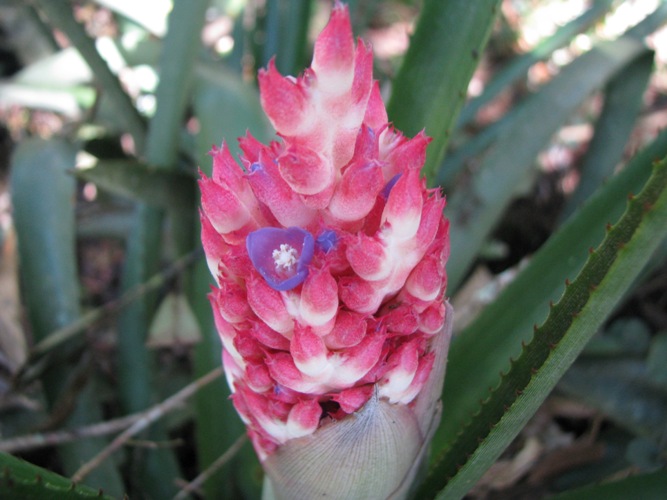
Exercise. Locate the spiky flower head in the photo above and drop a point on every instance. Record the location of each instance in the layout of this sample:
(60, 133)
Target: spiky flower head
(329, 255)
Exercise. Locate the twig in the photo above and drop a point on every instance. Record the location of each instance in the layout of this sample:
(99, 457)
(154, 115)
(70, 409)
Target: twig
(75, 328)
(144, 421)
(197, 482)
(32, 441)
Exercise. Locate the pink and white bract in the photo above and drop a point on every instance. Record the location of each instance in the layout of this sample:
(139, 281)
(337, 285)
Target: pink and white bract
(329, 255)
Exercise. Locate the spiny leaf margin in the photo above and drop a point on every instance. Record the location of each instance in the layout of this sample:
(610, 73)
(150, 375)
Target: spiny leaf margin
(546, 357)
(21, 479)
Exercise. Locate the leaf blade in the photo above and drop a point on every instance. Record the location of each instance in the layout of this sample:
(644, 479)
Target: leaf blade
(586, 302)
(44, 220)
(431, 84)
(514, 312)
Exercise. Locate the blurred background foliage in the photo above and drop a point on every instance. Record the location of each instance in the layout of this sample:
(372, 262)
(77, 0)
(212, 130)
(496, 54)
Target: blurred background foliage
(546, 115)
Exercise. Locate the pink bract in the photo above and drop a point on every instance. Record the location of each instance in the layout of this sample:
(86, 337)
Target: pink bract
(328, 251)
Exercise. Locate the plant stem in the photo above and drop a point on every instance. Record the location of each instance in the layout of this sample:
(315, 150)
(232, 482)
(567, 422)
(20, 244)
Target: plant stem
(145, 419)
(199, 481)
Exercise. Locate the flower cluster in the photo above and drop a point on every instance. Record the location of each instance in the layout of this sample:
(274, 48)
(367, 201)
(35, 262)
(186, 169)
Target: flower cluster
(328, 251)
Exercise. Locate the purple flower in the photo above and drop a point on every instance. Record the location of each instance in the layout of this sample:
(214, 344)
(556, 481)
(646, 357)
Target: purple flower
(327, 240)
(281, 256)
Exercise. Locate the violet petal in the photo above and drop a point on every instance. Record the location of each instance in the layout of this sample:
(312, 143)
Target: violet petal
(281, 256)
(327, 240)
(389, 186)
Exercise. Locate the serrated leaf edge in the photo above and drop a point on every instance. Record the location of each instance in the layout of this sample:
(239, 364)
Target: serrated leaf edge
(546, 337)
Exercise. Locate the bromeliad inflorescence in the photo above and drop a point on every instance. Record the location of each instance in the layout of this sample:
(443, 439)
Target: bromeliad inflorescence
(329, 255)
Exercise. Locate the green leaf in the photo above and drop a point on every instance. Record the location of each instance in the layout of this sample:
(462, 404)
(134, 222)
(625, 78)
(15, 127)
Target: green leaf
(69, 101)
(286, 34)
(26, 33)
(142, 182)
(222, 93)
(475, 208)
(645, 486)
(157, 469)
(21, 479)
(177, 62)
(657, 354)
(65, 68)
(623, 101)
(519, 66)
(58, 82)
(586, 302)
(432, 82)
(59, 13)
(42, 195)
(464, 149)
(496, 335)
(625, 336)
(458, 157)
(623, 391)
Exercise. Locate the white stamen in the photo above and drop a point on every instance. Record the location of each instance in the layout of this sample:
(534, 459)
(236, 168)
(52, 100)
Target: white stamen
(285, 257)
